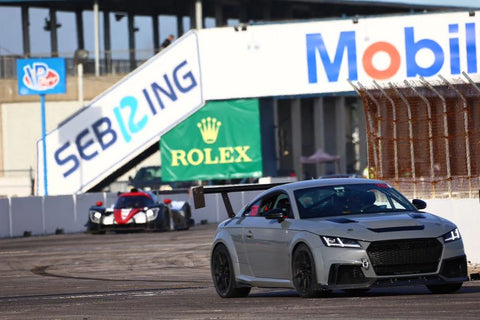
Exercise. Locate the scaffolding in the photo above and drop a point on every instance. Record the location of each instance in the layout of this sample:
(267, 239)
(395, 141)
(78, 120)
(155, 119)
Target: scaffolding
(424, 136)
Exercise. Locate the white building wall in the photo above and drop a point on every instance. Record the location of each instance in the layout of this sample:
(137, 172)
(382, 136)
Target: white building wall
(22, 128)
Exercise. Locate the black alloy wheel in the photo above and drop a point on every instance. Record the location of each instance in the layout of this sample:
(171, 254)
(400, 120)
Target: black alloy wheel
(304, 275)
(223, 275)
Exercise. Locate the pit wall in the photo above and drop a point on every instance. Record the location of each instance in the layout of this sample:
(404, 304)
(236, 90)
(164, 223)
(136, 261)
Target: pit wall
(38, 216)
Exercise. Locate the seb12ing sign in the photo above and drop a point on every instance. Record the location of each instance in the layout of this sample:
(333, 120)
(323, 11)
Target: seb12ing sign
(41, 76)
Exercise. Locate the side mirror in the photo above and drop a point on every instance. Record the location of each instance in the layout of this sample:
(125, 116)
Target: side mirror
(275, 214)
(419, 204)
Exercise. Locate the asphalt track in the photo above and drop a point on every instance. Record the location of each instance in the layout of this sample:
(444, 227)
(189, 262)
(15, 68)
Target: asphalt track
(167, 276)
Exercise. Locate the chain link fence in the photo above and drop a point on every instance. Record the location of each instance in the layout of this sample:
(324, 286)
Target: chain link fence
(424, 136)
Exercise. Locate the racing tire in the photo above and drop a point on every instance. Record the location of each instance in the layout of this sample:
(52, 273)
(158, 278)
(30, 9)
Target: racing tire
(223, 275)
(304, 274)
(445, 288)
(161, 222)
(95, 229)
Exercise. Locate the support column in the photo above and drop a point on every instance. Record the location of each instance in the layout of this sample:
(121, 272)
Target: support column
(243, 13)
(79, 23)
(96, 31)
(266, 11)
(362, 132)
(340, 127)
(107, 42)
(198, 14)
(296, 119)
(156, 34)
(53, 32)
(131, 41)
(319, 132)
(26, 31)
(180, 29)
(277, 133)
(219, 20)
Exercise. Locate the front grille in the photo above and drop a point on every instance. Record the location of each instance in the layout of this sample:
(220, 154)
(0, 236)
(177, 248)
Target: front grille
(408, 256)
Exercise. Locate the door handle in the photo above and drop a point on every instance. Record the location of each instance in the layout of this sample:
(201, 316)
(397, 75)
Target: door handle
(249, 234)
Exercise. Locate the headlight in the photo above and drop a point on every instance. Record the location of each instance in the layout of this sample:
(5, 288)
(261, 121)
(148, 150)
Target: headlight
(452, 236)
(152, 214)
(340, 242)
(95, 216)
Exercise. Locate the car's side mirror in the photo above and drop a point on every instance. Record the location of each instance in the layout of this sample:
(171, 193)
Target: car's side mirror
(275, 214)
(419, 204)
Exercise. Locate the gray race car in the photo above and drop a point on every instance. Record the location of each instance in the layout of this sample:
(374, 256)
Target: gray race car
(325, 234)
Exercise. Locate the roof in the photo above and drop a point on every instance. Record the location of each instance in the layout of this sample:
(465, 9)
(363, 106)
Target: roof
(254, 8)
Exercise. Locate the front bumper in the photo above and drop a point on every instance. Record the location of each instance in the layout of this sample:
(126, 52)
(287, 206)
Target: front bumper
(352, 276)
(400, 262)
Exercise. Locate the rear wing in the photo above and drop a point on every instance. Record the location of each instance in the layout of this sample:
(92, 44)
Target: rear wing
(199, 193)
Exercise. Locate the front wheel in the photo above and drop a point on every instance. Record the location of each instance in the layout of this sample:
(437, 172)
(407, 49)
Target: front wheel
(304, 274)
(445, 288)
(223, 275)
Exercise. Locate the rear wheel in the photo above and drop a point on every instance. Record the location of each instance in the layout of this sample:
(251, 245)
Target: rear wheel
(304, 274)
(445, 288)
(223, 275)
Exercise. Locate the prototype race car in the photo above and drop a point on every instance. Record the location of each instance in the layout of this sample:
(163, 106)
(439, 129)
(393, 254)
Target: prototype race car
(320, 235)
(139, 210)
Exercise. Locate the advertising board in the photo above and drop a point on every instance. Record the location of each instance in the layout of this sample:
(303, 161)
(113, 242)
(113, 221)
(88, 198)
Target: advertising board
(321, 56)
(223, 143)
(41, 76)
(125, 120)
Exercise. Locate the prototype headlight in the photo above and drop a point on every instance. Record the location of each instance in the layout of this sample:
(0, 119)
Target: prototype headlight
(152, 214)
(452, 236)
(340, 242)
(95, 216)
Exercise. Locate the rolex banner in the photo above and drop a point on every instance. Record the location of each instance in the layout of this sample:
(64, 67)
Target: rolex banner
(220, 141)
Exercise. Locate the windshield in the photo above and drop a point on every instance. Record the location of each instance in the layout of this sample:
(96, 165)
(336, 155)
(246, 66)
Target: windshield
(133, 202)
(149, 173)
(349, 199)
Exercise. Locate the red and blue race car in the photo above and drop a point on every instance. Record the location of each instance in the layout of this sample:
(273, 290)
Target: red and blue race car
(139, 210)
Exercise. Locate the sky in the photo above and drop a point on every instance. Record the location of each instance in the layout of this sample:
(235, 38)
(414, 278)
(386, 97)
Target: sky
(11, 41)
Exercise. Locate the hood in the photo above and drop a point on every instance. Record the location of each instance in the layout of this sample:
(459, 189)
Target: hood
(382, 226)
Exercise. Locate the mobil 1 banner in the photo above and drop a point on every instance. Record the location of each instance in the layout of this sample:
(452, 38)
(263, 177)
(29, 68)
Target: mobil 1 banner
(125, 120)
(220, 141)
(327, 55)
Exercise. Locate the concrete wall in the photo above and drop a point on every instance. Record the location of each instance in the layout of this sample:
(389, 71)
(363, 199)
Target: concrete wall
(46, 215)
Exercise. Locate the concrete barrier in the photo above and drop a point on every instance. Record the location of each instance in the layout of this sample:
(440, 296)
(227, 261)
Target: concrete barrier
(48, 215)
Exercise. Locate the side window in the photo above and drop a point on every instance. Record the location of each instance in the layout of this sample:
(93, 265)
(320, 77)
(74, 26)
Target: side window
(282, 202)
(252, 211)
(261, 206)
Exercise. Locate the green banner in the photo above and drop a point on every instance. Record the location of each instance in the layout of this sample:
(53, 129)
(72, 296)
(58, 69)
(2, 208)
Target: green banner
(220, 141)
